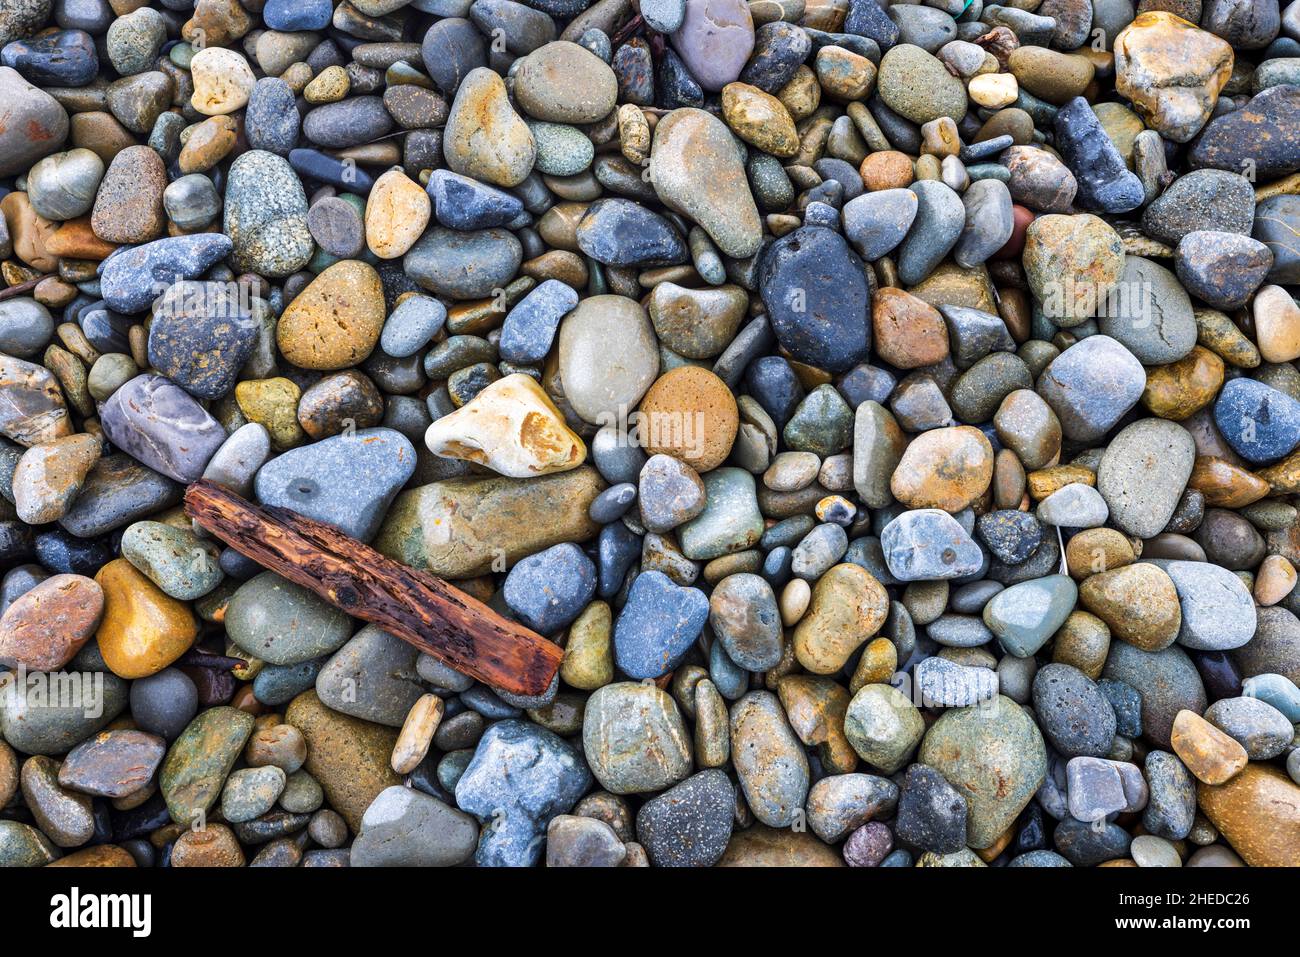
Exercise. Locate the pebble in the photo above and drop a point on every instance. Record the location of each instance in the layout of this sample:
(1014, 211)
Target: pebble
(143, 630)
(404, 827)
(634, 739)
(44, 628)
(660, 621)
(690, 824)
(770, 764)
(973, 748)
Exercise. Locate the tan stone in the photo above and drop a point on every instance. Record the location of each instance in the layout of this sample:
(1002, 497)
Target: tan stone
(397, 211)
(1171, 71)
(1258, 813)
(335, 322)
(1277, 324)
(760, 119)
(907, 332)
(848, 607)
(690, 414)
(1138, 602)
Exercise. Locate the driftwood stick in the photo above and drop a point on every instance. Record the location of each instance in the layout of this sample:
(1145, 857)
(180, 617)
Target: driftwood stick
(413, 605)
(27, 285)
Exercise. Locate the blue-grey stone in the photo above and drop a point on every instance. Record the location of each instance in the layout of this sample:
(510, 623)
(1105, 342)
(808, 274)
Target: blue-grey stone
(612, 504)
(816, 293)
(529, 328)
(62, 58)
(780, 48)
(619, 232)
(549, 589)
(689, 825)
(1106, 185)
(118, 491)
(521, 776)
(1025, 615)
(657, 625)
(295, 15)
(1261, 423)
(201, 335)
(1218, 612)
(988, 225)
(1072, 711)
(1091, 385)
(1011, 535)
(928, 544)
(412, 325)
(940, 217)
(461, 202)
(617, 547)
(1074, 506)
(744, 617)
(731, 520)
(1127, 705)
(463, 265)
(1277, 690)
(1171, 805)
(279, 684)
(157, 423)
(959, 631)
(271, 120)
(345, 480)
(133, 278)
(947, 684)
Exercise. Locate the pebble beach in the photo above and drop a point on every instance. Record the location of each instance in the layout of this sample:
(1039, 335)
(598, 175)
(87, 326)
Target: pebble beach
(877, 423)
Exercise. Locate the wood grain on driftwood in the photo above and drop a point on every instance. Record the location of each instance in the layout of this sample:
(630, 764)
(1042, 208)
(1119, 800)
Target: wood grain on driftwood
(411, 604)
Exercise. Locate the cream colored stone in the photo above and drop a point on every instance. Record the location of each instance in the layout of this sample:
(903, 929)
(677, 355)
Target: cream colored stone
(512, 427)
(993, 90)
(417, 733)
(1277, 324)
(396, 213)
(223, 81)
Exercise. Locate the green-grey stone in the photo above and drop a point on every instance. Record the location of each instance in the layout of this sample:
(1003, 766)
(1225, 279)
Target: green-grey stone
(883, 726)
(822, 423)
(994, 755)
(1024, 616)
(283, 623)
(562, 150)
(731, 521)
(83, 702)
(175, 559)
(21, 845)
(199, 761)
(251, 792)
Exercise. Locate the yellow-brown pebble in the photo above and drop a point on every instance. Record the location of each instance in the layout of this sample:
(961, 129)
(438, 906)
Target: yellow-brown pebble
(1096, 550)
(1224, 484)
(760, 119)
(908, 332)
(1181, 388)
(1208, 753)
(690, 414)
(335, 322)
(213, 845)
(848, 606)
(1258, 813)
(1138, 602)
(944, 468)
(143, 630)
